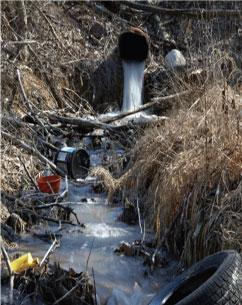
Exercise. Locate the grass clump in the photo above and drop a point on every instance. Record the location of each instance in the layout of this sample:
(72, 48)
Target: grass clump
(187, 174)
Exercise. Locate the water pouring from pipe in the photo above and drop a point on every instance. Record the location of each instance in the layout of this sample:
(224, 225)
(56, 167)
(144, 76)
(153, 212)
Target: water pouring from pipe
(133, 49)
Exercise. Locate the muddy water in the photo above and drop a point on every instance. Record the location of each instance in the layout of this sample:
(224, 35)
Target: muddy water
(119, 279)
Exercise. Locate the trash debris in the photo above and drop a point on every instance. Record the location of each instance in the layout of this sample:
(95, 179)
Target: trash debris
(73, 161)
(49, 184)
(24, 262)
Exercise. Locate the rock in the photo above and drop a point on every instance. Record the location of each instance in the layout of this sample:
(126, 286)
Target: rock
(175, 60)
(98, 30)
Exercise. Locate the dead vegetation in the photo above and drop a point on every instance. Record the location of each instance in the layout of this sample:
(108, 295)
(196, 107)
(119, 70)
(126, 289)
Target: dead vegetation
(187, 170)
(53, 285)
(188, 175)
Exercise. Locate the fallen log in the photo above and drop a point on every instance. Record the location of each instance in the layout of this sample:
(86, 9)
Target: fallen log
(155, 102)
(193, 13)
(87, 125)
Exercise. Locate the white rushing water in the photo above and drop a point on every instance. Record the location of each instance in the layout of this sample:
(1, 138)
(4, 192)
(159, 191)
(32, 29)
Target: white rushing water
(133, 85)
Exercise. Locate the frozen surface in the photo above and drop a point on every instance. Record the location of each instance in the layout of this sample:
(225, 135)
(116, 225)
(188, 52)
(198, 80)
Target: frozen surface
(119, 280)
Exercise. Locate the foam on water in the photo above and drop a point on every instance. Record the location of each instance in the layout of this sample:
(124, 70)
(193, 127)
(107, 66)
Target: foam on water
(133, 84)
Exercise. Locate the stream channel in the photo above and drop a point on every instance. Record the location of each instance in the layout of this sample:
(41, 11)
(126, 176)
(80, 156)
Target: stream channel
(120, 280)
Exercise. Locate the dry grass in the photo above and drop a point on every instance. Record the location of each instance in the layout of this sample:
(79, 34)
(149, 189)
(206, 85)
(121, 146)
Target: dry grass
(13, 176)
(188, 174)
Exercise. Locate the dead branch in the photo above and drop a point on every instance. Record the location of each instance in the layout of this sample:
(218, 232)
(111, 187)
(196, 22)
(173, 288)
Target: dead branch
(51, 26)
(24, 25)
(32, 151)
(193, 13)
(86, 125)
(79, 282)
(19, 42)
(59, 205)
(51, 249)
(10, 271)
(28, 102)
(59, 100)
(28, 174)
(155, 102)
(57, 220)
(7, 260)
(94, 284)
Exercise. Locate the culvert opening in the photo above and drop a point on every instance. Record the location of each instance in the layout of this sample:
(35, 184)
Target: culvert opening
(133, 46)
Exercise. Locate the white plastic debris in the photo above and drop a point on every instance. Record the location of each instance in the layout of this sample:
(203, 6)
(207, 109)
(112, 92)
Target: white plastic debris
(174, 59)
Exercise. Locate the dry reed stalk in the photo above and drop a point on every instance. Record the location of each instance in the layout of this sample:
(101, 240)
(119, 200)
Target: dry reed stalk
(188, 173)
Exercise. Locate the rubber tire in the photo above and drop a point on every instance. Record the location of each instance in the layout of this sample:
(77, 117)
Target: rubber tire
(222, 287)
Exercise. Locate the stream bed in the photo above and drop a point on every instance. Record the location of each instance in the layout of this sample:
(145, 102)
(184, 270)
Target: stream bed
(120, 280)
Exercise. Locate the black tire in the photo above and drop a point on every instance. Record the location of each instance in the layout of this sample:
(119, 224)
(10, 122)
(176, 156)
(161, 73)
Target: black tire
(215, 280)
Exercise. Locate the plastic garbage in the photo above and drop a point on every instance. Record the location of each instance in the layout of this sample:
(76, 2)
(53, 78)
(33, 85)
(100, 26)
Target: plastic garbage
(49, 184)
(24, 262)
(75, 162)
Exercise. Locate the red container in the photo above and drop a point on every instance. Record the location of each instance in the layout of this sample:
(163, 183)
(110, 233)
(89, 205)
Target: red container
(48, 183)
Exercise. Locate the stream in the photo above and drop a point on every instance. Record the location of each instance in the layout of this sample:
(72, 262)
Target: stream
(120, 280)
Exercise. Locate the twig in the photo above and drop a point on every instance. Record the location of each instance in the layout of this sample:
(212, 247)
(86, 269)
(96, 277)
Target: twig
(7, 260)
(57, 220)
(65, 192)
(28, 174)
(69, 292)
(59, 205)
(90, 253)
(28, 102)
(20, 42)
(94, 284)
(59, 100)
(49, 185)
(24, 25)
(51, 26)
(139, 217)
(10, 271)
(33, 151)
(47, 254)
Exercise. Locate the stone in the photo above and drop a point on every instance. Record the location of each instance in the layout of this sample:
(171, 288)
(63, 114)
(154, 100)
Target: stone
(175, 60)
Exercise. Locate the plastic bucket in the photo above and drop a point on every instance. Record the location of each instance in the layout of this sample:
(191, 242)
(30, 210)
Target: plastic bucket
(75, 162)
(49, 184)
